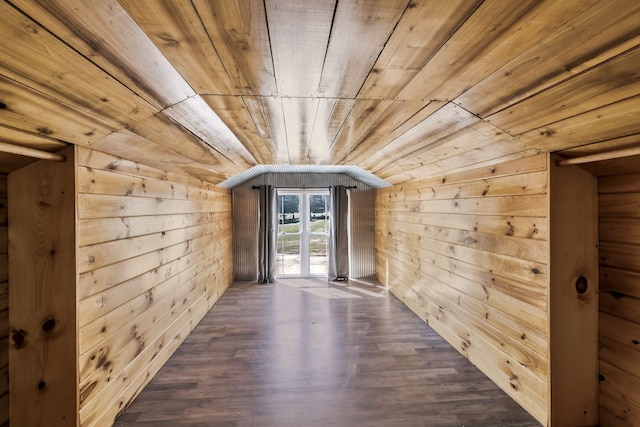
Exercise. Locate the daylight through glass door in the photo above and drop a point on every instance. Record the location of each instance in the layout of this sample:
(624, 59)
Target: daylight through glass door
(303, 233)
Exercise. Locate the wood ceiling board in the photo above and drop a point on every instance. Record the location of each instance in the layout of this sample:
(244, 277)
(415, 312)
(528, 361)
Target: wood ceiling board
(233, 112)
(358, 35)
(477, 137)
(473, 52)
(423, 29)
(299, 116)
(608, 83)
(299, 33)
(451, 157)
(36, 113)
(426, 135)
(369, 121)
(609, 122)
(568, 50)
(630, 141)
(102, 31)
(330, 118)
(198, 118)
(34, 57)
(238, 30)
(137, 148)
(175, 28)
(528, 164)
(26, 139)
(268, 117)
(161, 130)
(458, 166)
(361, 153)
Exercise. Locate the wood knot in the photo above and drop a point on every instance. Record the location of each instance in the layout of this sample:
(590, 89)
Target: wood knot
(581, 285)
(49, 325)
(168, 40)
(18, 339)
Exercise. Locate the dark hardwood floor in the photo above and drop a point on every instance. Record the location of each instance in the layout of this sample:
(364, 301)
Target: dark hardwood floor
(302, 353)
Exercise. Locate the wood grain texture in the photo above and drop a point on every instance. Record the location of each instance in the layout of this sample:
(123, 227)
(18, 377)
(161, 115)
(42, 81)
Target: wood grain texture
(148, 273)
(285, 356)
(548, 55)
(348, 60)
(405, 89)
(58, 71)
(573, 309)
(238, 31)
(42, 319)
(4, 309)
(105, 33)
(177, 31)
(454, 274)
(619, 342)
(299, 35)
(424, 28)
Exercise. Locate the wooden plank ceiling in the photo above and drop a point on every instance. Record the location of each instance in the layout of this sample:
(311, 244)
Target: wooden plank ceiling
(402, 88)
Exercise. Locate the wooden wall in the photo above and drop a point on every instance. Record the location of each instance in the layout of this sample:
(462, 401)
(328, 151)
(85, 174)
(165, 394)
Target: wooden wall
(619, 349)
(468, 253)
(4, 301)
(154, 254)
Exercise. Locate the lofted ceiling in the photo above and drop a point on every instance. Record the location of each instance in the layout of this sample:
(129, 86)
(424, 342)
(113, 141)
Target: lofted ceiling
(403, 89)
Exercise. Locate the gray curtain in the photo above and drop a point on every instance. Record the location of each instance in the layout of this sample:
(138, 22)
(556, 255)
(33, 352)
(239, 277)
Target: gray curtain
(267, 235)
(338, 235)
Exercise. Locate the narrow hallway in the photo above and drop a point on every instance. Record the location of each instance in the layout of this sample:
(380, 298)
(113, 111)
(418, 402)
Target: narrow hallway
(302, 352)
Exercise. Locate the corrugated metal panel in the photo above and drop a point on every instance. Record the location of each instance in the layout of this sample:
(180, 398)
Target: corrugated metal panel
(356, 174)
(362, 228)
(304, 181)
(245, 234)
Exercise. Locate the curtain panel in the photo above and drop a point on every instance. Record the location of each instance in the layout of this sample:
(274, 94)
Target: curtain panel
(338, 234)
(267, 234)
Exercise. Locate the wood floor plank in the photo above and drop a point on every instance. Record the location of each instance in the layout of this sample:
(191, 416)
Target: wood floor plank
(284, 355)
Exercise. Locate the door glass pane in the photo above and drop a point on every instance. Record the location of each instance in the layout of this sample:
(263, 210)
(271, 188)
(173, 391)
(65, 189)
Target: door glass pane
(288, 243)
(288, 254)
(318, 213)
(318, 245)
(288, 213)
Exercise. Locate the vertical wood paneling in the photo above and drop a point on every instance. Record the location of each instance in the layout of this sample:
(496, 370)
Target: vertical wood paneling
(619, 355)
(43, 350)
(154, 255)
(4, 305)
(573, 296)
(468, 254)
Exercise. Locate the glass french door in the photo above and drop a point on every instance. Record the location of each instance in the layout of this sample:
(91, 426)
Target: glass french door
(303, 233)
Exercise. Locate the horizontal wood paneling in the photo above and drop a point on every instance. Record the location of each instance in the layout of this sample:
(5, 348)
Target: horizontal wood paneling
(619, 228)
(154, 255)
(468, 253)
(405, 89)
